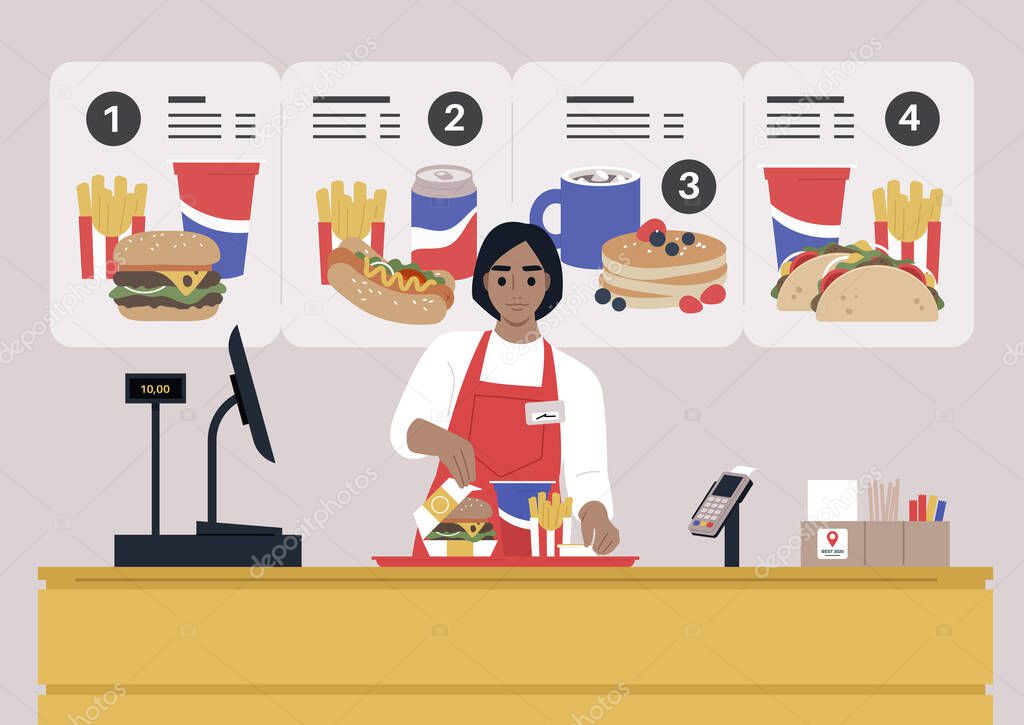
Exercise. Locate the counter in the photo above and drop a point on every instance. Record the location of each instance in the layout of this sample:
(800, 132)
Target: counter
(327, 646)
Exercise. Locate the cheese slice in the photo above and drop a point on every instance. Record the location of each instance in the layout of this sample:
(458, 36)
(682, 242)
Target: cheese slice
(470, 527)
(187, 281)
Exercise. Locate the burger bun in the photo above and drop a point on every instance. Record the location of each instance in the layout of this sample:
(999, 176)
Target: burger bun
(164, 313)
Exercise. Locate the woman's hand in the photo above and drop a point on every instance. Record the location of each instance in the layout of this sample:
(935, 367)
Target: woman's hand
(598, 530)
(455, 452)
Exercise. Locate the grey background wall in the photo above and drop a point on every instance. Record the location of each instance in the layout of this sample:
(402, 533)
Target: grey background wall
(74, 463)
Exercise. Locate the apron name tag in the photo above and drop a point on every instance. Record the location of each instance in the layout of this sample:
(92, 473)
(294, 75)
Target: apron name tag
(545, 413)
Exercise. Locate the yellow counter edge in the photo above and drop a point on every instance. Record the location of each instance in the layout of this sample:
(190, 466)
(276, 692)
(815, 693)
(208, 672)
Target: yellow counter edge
(357, 577)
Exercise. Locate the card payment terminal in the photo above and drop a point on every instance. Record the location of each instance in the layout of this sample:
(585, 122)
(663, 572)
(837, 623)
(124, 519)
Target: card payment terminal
(723, 496)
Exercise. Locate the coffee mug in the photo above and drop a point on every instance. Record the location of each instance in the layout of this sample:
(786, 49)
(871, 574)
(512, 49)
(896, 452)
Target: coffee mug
(596, 204)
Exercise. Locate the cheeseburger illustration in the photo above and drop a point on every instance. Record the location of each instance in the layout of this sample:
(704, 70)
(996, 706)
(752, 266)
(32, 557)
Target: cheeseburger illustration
(167, 276)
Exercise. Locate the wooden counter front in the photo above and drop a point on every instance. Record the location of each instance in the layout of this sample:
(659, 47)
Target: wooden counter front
(323, 646)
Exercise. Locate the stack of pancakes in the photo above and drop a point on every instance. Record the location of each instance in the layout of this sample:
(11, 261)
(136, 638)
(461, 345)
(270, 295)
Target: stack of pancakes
(647, 276)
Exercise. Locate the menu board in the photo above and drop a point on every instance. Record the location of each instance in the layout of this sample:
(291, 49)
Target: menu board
(344, 204)
(174, 155)
(878, 155)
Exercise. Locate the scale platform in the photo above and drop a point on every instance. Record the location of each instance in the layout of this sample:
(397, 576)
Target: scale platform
(259, 550)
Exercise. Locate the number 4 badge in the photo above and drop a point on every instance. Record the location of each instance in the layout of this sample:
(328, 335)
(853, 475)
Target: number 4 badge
(912, 118)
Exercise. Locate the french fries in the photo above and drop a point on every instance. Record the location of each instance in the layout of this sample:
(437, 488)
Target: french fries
(550, 514)
(111, 210)
(936, 199)
(907, 215)
(350, 216)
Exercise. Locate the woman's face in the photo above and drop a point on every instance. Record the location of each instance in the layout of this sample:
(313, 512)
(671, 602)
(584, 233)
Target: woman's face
(516, 284)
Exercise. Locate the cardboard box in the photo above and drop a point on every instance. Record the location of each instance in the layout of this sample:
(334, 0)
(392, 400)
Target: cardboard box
(926, 543)
(874, 543)
(847, 549)
(883, 543)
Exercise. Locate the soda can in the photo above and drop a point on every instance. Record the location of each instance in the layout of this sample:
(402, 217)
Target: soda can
(443, 221)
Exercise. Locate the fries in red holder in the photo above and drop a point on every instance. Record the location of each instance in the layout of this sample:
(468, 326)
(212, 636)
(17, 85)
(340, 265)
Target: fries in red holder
(109, 214)
(907, 219)
(345, 217)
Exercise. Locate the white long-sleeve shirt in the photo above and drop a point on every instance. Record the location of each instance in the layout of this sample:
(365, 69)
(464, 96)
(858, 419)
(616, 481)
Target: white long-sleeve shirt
(435, 383)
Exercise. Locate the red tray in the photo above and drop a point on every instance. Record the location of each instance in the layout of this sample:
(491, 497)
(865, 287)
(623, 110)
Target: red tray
(526, 561)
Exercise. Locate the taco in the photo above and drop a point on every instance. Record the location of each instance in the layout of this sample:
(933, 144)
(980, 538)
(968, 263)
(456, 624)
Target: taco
(800, 272)
(871, 286)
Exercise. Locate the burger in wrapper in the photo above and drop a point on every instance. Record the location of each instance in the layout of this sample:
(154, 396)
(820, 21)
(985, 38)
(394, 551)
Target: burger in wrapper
(451, 523)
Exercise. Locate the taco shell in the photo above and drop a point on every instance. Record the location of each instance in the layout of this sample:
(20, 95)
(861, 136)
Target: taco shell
(876, 293)
(801, 285)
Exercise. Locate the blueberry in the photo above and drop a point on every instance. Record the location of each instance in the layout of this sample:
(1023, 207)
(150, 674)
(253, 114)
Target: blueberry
(602, 296)
(618, 304)
(671, 249)
(688, 238)
(657, 238)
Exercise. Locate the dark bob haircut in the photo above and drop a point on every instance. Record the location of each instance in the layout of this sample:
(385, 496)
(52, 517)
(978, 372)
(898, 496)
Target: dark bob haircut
(505, 237)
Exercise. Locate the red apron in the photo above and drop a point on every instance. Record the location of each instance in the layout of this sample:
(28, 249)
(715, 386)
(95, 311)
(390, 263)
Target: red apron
(493, 418)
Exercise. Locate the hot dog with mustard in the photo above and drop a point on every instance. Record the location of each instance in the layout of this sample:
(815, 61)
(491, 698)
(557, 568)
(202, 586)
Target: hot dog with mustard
(389, 289)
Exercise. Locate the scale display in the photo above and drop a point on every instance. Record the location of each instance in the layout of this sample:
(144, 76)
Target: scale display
(154, 388)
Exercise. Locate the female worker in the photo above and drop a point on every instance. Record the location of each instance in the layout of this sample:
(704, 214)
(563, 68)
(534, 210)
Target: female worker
(465, 401)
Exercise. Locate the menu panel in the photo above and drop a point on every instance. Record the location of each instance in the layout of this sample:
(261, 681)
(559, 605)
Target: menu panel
(393, 174)
(636, 171)
(164, 204)
(859, 204)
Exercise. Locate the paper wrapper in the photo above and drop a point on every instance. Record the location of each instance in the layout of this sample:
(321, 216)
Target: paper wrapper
(325, 241)
(85, 246)
(88, 238)
(460, 548)
(438, 505)
(435, 509)
(925, 252)
(550, 538)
